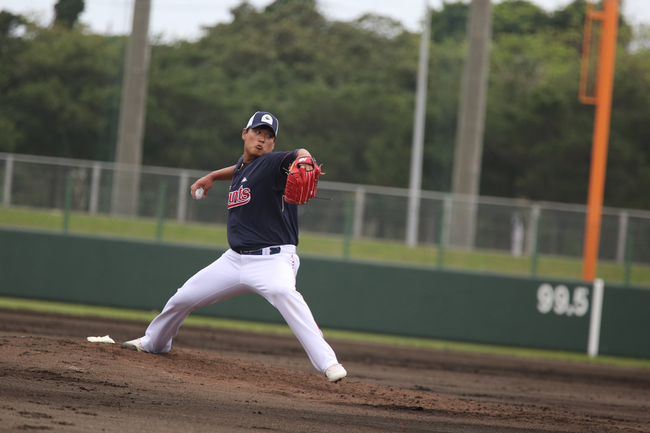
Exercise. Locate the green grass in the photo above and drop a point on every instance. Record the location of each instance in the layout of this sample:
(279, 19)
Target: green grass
(330, 246)
(218, 323)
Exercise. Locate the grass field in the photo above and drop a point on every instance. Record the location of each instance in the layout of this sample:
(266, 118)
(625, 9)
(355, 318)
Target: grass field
(311, 244)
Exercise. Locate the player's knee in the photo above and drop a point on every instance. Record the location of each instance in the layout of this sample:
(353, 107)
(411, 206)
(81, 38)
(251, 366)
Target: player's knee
(278, 293)
(180, 302)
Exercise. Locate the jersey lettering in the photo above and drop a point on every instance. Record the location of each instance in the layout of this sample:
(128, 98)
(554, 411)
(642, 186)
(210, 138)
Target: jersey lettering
(239, 197)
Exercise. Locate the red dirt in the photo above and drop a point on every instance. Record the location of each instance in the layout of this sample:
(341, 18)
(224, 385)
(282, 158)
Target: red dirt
(52, 379)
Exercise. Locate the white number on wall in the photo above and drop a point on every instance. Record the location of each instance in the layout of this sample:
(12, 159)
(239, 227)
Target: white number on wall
(559, 300)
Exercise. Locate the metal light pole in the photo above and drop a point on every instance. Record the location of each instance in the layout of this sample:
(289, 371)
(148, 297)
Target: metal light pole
(415, 181)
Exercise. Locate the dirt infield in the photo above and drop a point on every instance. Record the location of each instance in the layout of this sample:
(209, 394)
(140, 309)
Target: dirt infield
(52, 379)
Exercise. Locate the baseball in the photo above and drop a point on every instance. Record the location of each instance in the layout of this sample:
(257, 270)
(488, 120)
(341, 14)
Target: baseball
(198, 194)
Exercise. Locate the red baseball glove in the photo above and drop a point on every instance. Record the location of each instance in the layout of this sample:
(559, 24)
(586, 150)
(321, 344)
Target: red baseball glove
(302, 180)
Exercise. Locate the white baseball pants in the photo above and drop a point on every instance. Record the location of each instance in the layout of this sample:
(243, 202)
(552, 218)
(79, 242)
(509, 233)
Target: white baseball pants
(271, 276)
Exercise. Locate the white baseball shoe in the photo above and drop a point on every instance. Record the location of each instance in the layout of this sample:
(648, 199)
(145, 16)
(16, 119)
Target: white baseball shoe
(336, 373)
(134, 345)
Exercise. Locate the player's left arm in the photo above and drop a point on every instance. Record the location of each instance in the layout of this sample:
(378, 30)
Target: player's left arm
(302, 152)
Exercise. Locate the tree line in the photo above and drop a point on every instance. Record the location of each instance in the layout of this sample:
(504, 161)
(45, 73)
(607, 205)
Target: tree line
(344, 90)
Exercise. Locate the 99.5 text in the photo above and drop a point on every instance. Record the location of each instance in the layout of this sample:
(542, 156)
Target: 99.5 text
(559, 300)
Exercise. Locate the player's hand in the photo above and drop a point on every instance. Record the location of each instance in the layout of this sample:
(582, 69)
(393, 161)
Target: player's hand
(205, 183)
(307, 166)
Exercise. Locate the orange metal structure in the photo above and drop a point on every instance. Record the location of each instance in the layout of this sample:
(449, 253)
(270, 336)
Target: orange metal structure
(602, 99)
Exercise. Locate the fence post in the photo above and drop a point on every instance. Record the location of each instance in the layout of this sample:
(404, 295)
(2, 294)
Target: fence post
(622, 234)
(162, 193)
(629, 253)
(68, 203)
(94, 189)
(183, 192)
(9, 177)
(442, 235)
(359, 206)
(347, 228)
(517, 235)
(595, 318)
(535, 240)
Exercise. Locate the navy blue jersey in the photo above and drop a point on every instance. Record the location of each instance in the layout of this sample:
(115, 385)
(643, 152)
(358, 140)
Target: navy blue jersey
(258, 216)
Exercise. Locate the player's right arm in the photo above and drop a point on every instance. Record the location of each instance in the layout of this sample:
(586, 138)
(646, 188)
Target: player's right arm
(206, 181)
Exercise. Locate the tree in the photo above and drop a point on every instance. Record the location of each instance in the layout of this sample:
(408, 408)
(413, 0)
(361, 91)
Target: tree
(58, 92)
(536, 144)
(8, 23)
(519, 17)
(628, 163)
(337, 88)
(67, 12)
(450, 22)
(345, 90)
(10, 46)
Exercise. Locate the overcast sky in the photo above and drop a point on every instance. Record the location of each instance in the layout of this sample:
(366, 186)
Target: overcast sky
(183, 19)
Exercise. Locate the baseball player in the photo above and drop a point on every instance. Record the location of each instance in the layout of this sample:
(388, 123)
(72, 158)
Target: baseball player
(262, 235)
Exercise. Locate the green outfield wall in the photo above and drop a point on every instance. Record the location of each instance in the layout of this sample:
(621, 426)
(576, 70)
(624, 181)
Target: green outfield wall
(348, 295)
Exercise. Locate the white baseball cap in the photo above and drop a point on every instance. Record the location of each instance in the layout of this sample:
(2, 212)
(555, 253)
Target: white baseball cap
(263, 118)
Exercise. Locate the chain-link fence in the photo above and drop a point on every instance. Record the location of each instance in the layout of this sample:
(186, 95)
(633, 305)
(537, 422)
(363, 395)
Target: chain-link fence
(516, 227)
